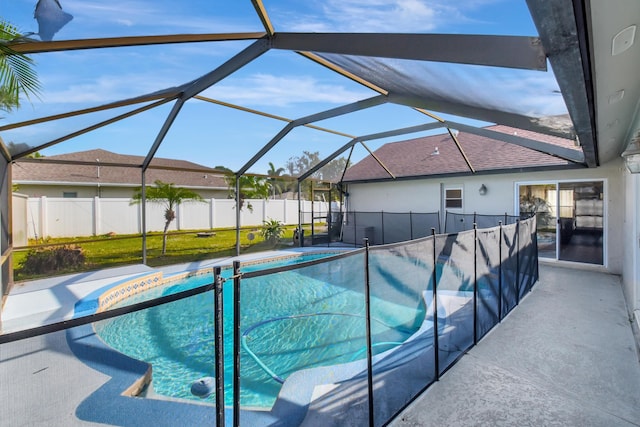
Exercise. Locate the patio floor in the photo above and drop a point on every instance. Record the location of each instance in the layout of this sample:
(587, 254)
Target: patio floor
(565, 356)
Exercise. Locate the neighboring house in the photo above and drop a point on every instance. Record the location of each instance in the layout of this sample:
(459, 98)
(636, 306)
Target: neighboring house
(95, 175)
(430, 174)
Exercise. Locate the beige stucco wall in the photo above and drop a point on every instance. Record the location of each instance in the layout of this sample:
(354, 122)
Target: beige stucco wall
(423, 195)
(630, 240)
(631, 244)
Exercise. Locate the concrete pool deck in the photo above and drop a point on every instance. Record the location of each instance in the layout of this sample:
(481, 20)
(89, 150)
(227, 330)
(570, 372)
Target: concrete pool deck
(565, 356)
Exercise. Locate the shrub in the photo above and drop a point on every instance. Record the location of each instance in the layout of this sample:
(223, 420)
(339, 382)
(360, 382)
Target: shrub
(272, 231)
(49, 260)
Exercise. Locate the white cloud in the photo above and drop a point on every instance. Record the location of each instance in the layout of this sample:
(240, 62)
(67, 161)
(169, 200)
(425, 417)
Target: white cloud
(103, 89)
(271, 90)
(257, 90)
(385, 15)
(150, 16)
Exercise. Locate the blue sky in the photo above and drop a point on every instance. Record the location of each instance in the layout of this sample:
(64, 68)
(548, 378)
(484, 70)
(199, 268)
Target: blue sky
(279, 82)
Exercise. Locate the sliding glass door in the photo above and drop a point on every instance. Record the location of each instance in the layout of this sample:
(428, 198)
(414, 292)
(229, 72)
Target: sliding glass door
(582, 213)
(570, 219)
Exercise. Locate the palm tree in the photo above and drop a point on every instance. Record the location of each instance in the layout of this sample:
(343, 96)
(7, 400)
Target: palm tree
(169, 196)
(277, 183)
(251, 187)
(17, 75)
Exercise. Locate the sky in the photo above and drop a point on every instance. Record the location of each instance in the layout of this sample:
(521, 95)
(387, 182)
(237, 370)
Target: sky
(278, 82)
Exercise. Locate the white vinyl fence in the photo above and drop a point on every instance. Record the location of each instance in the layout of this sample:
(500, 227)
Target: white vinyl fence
(76, 217)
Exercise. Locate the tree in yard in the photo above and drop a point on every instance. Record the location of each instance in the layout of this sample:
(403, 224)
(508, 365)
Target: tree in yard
(251, 187)
(17, 75)
(170, 197)
(278, 185)
(298, 165)
(332, 171)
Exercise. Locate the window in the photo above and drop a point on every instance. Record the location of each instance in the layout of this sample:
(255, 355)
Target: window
(69, 194)
(453, 198)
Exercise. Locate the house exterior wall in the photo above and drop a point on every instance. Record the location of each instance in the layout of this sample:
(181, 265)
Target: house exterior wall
(630, 241)
(104, 191)
(631, 245)
(424, 195)
(400, 196)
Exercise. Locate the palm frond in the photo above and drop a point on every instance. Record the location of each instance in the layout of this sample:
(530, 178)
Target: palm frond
(17, 73)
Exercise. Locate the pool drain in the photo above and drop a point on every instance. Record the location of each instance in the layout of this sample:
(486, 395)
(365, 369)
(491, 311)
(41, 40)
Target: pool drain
(203, 387)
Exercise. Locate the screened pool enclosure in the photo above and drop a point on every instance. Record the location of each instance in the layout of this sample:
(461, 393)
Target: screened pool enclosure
(264, 89)
(290, 96)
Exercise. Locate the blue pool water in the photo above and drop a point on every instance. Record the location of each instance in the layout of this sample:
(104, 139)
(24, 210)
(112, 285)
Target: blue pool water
(291, 321)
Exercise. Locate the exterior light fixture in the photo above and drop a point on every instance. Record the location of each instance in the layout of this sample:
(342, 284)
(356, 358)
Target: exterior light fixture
(631, 155)
(482, 190)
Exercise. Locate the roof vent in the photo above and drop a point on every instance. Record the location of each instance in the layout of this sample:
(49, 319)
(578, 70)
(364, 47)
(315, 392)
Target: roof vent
(435, 152)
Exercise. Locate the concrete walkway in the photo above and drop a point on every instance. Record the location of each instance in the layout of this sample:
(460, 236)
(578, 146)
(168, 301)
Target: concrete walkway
(566, 356)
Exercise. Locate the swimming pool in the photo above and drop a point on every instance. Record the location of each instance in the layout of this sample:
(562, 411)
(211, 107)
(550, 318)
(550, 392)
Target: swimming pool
(291, 321)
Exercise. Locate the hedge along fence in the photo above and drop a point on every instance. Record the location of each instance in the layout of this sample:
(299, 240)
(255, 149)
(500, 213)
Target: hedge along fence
(76, 217)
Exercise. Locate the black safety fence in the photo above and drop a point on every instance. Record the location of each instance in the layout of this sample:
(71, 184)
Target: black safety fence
(387, 227)
(457, 222)
(340, 338)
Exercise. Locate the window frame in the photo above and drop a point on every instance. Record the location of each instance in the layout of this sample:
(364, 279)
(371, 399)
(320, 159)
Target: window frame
(448, 199)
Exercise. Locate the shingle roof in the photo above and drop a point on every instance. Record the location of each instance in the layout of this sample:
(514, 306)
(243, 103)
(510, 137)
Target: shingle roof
(414, 158)
(58, 173)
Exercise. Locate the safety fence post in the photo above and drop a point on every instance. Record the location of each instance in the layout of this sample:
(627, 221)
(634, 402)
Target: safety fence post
(236, 343)
(355, 229)
(500, 273)
(410, 225)
(367, 304)
(518, 281)
(219, 344)
(475, 283)
(435, 307)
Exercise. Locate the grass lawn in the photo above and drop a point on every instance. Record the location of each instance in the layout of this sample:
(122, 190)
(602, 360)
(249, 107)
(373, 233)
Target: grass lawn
(111, 251)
